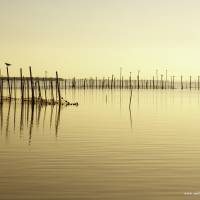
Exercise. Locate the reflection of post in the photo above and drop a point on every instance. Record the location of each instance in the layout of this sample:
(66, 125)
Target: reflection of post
(7, 120)
(58, 120)
(120, 100)
(138, 98)
(130, 115)
(130, 98)
(51, 117)
(22, 118)
(27, 116)
(45, 109)
(14, 115)
(31, 124)
(39, 114)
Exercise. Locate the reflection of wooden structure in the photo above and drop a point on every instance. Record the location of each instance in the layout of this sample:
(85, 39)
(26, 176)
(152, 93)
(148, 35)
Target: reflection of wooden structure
(30, 115)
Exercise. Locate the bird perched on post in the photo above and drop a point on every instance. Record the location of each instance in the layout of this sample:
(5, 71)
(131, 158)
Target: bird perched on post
(7, 64)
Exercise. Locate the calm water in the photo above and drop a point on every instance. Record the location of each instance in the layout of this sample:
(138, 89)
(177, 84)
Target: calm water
(102, 149)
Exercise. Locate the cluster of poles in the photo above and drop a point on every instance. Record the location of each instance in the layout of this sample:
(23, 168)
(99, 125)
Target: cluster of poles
(113, 83)
(30, 88)
(34, 90)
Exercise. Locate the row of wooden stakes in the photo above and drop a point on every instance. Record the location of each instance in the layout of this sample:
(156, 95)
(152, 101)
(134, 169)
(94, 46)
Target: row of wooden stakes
(31, 88)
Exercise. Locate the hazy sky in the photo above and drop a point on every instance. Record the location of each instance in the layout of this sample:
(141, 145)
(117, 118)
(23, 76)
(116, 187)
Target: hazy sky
(97, 37)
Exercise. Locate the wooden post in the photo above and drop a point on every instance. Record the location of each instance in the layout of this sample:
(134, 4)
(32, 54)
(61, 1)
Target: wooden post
(130, 82)
(84, 84)
(52, 96)
(32, 86)
(166, 79)
(23, 84)
(8, 80)
(153, 83)
(138, 80)
(45, 90)
(1, 90)
(15, 95)
(162, 86)
(65, 84)
(39, 90)
(22, 92)
(181, 82)
(28, 96)
(11, 86)
(58, 88)
(103, 83)
(173, 82)
(112, 83)
(120, 84)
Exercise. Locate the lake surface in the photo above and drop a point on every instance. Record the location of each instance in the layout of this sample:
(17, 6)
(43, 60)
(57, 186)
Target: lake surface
(102, 149)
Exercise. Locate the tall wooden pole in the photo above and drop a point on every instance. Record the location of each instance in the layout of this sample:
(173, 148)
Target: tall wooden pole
(32, 86)
(58, 88)
(8, 80)
(181, 82)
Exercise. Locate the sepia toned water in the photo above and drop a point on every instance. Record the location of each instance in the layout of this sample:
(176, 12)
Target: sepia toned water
(102, 149)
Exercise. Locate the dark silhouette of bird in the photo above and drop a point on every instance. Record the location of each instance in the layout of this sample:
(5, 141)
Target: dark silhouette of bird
(7, 64)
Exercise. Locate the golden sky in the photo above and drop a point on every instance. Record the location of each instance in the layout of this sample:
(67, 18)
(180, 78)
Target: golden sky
(96, 37)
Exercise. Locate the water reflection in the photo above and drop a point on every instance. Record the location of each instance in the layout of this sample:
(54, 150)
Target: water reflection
(57, 119)
(8, 119)
(130, 115)
(95, 155)
(31, 123)
(27, 116)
